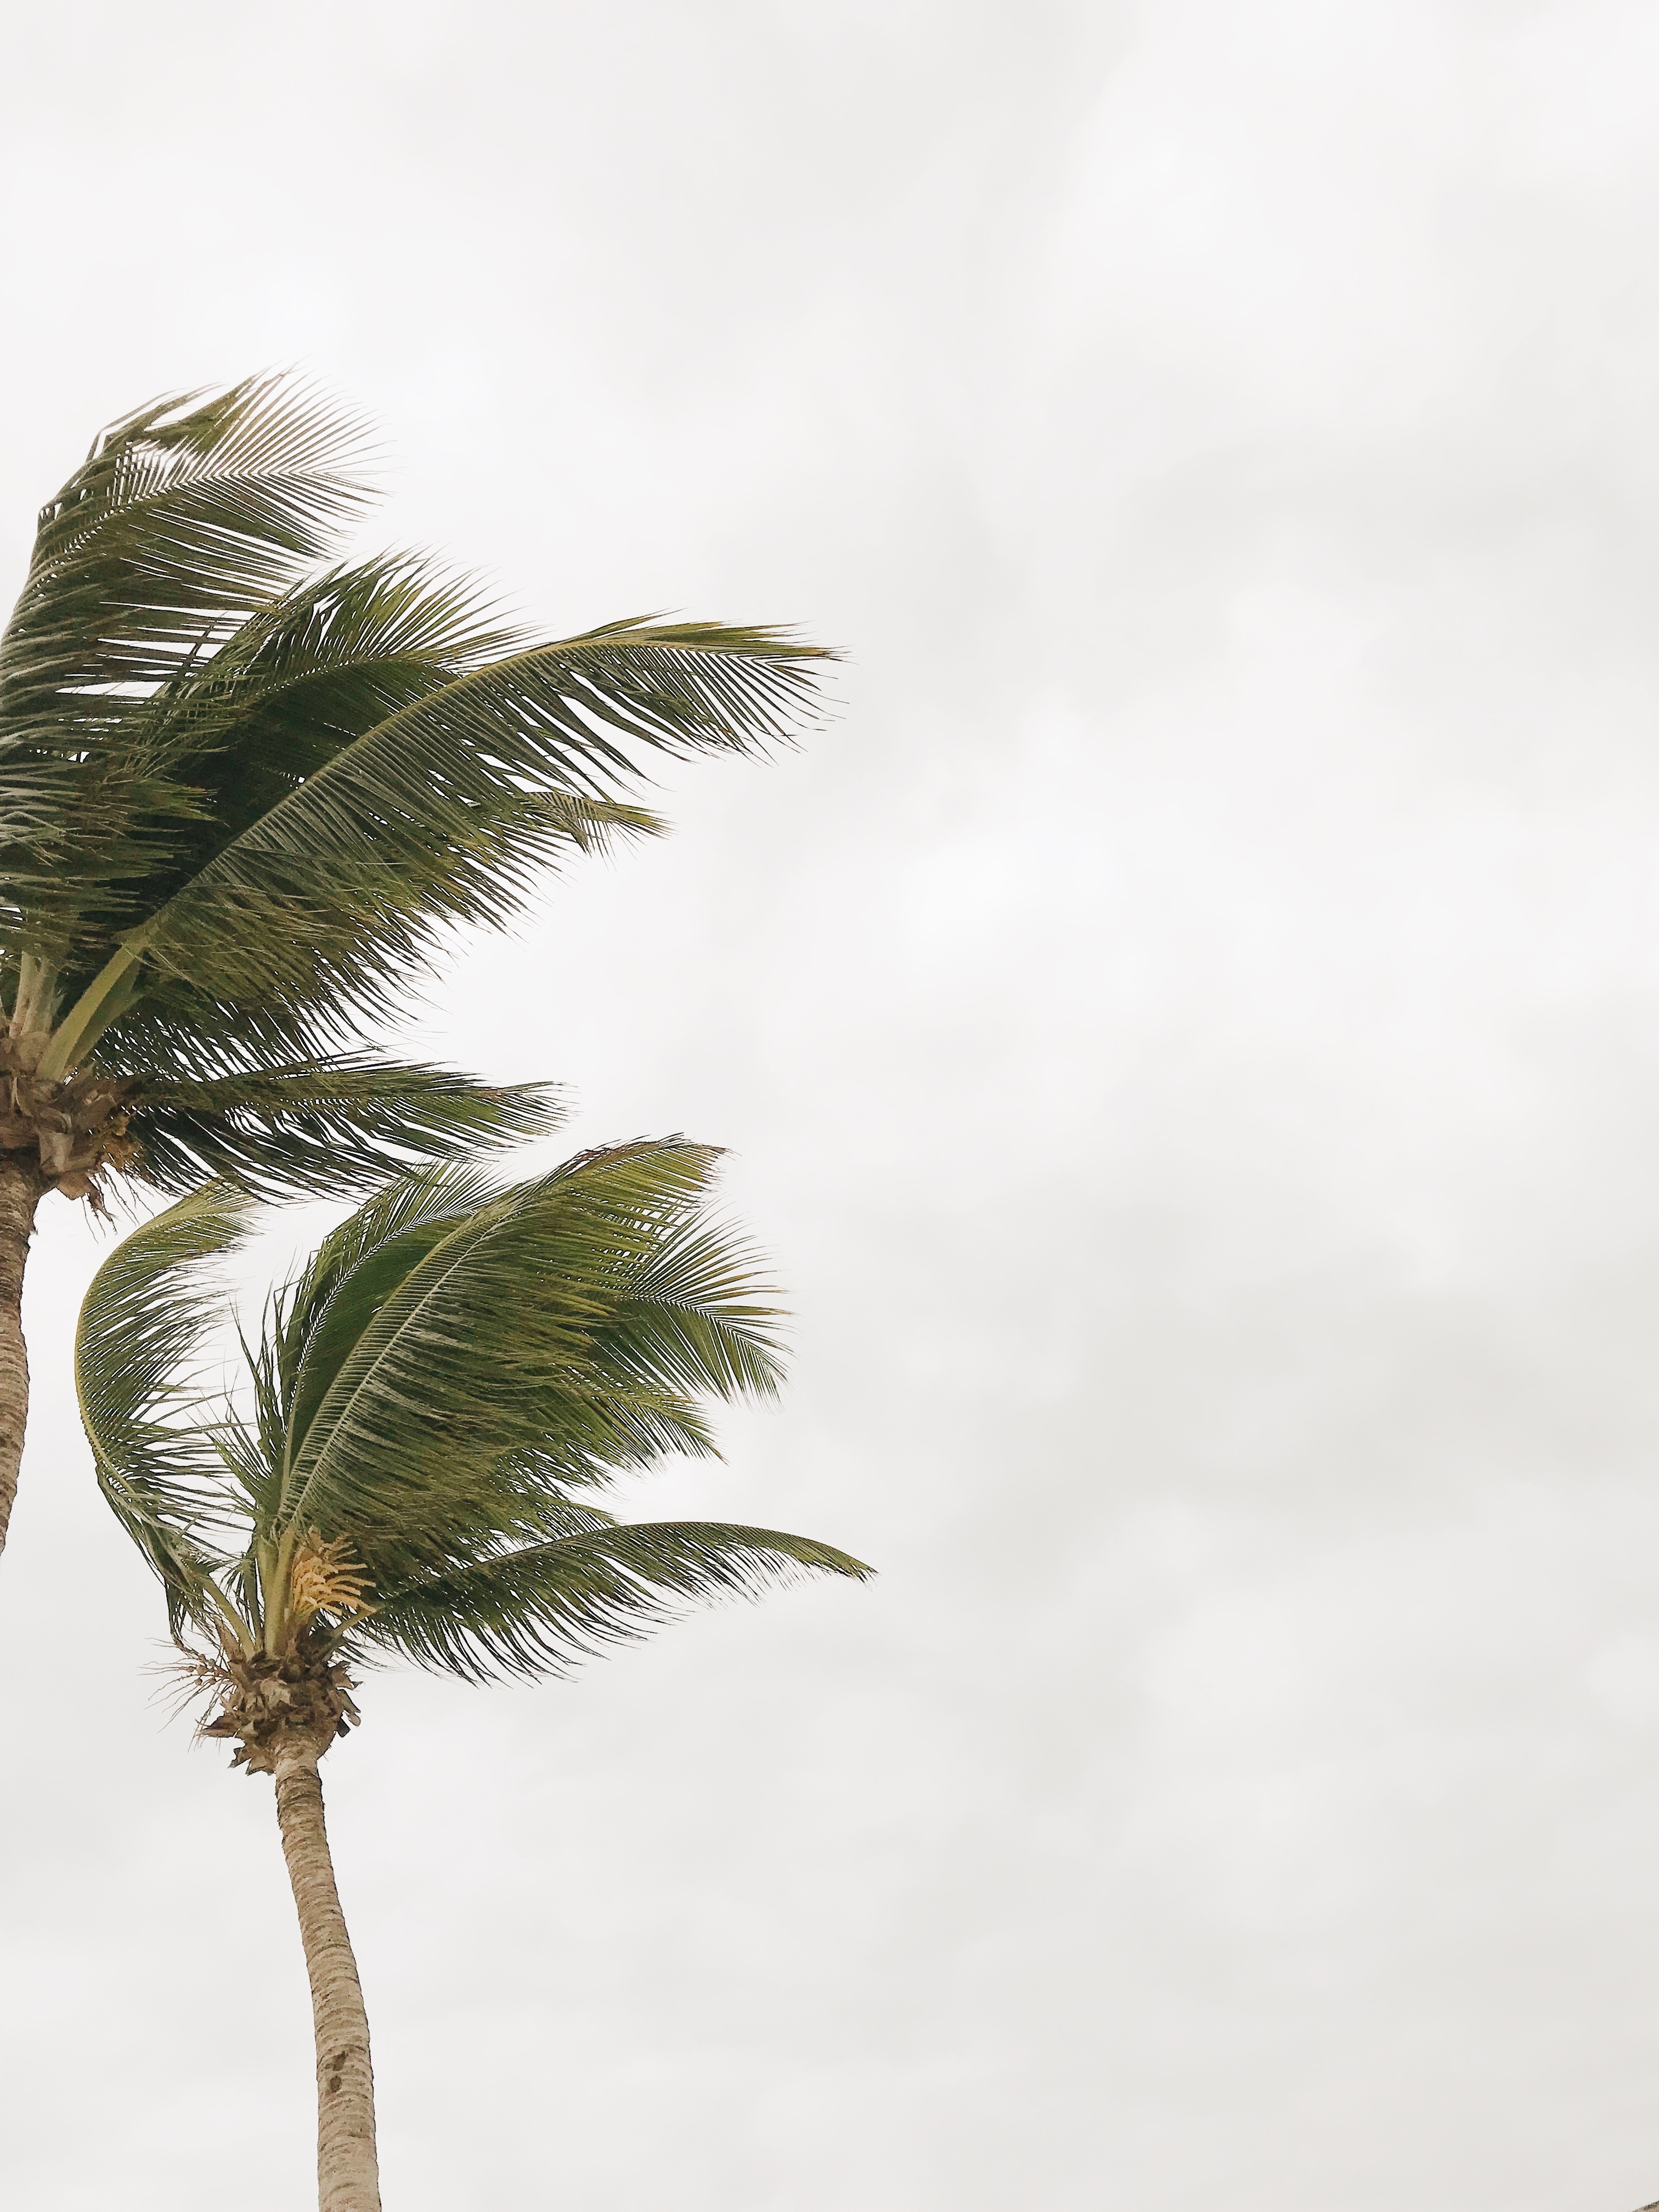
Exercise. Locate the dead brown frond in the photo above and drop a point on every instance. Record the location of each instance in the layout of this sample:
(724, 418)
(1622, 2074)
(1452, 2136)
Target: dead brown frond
(190, 1679)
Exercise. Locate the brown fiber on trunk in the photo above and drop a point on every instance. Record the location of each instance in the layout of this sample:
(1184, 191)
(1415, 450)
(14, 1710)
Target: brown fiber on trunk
(22, 1186)
(348, 2170)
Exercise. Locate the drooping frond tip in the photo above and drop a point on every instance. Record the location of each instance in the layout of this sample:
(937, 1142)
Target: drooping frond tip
(143, 1324)
(246, 797)
(335, 1126)
(277, 423)
(544, 1609)
(186, 518)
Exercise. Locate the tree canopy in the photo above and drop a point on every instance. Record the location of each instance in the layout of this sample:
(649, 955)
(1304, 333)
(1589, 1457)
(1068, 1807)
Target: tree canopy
(430, 1413)
(248, 787)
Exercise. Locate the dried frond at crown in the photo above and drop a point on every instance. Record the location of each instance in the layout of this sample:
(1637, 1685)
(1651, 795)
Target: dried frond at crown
(192, 1679)
(303, 1697)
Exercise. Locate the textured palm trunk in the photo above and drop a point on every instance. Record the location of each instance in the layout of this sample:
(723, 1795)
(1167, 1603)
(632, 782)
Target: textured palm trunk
(348, 2170)
(20, 1191)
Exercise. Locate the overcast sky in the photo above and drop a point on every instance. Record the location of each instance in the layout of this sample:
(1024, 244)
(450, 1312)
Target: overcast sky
(1188, 1033)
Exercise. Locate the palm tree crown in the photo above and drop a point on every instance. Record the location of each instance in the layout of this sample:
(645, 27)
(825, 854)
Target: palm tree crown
(244, 793)
(431, 1407)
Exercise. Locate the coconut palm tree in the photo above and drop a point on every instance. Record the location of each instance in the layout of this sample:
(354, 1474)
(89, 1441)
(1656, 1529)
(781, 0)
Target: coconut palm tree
(243, 795)
(431, 1409)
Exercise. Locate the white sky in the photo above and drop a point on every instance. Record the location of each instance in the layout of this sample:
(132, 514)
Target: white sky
(1189, 1034)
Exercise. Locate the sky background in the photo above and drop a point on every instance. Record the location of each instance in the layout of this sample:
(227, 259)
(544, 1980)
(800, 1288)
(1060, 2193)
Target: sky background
(1188, 1033)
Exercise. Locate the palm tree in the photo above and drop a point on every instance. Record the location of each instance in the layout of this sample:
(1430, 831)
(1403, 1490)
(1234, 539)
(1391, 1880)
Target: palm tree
(243, 796)
(432, 1406)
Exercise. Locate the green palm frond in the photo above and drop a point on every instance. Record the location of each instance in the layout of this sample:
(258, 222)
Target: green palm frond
(435, 1391)
(286, 964)
(540, 1610)
(329, 660)
(331, 1127)
(689, 1316)
(185, 517)
(445, 814)
(230, 736)
(352, 1273)
(142, 1330)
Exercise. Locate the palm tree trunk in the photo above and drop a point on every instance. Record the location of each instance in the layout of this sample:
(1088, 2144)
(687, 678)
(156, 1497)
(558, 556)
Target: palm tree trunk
(348, 2170)
(22, 1188)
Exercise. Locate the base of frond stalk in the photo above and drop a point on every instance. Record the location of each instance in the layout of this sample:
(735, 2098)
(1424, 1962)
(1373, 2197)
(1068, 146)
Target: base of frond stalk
(22, 1187)
(347, 2165)
(71, 1131)
(273, 1705)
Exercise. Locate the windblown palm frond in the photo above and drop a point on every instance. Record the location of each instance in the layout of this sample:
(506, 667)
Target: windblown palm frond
(354, 1271)
(332, 1128)
(443, 814)
(433, 1393)
(208, 752)
(143, 1326)
(541, 1609)
(450, 1366)
(186, 516)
